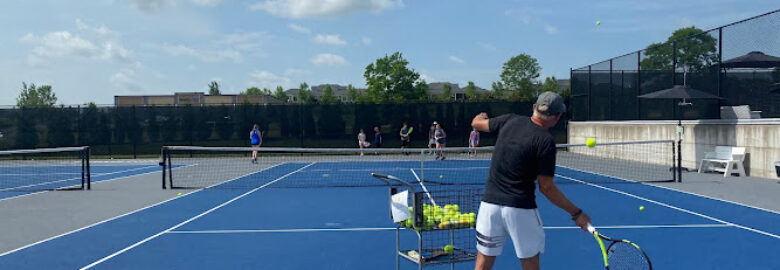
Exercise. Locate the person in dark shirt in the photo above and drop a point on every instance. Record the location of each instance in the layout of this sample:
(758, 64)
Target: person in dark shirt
(524, 152)
(404, 133)
(377, 137)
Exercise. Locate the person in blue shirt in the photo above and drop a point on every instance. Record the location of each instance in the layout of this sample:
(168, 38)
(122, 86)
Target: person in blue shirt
(256, 138)
(377, 137)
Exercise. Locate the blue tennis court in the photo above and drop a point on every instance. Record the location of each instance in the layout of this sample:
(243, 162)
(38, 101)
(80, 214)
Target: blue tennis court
(350, 227)
(23, 180)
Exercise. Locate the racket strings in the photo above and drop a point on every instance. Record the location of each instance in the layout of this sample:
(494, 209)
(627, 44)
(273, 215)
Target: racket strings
(622, 255)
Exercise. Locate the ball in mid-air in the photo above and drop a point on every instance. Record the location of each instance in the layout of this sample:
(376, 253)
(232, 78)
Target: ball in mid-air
(448, 249)
(641, 208)
(179, 194)
(590, 142)
(598, 22)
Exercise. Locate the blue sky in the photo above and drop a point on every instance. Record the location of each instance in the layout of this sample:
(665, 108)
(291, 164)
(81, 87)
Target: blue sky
(93, 50)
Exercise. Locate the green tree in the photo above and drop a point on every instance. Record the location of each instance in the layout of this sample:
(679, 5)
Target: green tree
(328, 96)
(519, 75)
(446, 93)
(252, 91)
(214, 88)
(692, 48)
(32, 96)
(389, 78)
(279, 94)
(550, 84)
(304, 94)
(498, 90)
(352, 93)
(471, 91)
(422, 87)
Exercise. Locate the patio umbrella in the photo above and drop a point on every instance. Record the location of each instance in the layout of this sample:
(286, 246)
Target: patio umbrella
(684, 94)
(753, 59)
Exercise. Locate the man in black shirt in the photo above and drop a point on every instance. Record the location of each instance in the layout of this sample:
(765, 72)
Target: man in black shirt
(525, 151)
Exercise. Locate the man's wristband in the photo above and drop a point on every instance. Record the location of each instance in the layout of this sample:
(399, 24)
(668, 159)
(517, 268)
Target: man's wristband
(576, 214)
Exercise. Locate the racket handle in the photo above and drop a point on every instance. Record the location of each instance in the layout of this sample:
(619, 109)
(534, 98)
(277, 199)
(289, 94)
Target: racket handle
(591, 229)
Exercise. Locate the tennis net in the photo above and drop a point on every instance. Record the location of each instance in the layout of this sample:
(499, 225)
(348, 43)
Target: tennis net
(234, 167)
(44, 169)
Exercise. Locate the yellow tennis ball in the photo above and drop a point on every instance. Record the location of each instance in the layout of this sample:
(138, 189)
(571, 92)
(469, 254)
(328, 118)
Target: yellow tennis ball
(598, 22)
(591, 142)
(179, 194)
(441, 176)
(641, 208)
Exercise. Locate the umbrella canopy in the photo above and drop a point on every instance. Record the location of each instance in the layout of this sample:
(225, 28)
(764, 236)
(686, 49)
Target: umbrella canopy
(680, 92)
(752, 60)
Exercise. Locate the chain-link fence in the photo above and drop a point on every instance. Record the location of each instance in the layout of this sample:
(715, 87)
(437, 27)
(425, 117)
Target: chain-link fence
(739, 62)
(133, 131)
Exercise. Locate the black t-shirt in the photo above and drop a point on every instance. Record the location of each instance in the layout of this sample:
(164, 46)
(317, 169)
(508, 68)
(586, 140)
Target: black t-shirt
(523, 151)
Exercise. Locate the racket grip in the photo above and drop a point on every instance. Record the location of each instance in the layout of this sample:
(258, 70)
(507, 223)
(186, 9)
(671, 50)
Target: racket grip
(591, 229)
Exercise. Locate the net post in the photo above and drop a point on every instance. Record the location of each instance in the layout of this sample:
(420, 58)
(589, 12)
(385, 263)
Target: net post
(83, 167)
(422, 165)
(162, 164)
(674, 161)
(679, 160)
(170, 169)
(89, 174)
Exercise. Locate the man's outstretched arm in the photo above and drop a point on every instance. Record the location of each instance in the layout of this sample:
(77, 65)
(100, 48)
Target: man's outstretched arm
(480, 122)
(551, 191)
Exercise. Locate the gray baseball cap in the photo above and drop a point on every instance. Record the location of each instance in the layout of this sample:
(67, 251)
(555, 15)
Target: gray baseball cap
(550, 103)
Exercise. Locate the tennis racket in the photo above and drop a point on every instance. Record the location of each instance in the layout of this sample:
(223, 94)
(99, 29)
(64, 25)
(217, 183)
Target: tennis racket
(621, 254)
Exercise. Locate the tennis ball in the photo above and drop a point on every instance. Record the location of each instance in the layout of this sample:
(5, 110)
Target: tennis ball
(179, 194)
(455, 207)
(441, 176)
(598, 22)
(641, 208)
(448, 249)
(591, 142)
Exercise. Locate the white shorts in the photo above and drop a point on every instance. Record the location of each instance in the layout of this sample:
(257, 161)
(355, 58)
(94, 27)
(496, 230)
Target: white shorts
(495, 223)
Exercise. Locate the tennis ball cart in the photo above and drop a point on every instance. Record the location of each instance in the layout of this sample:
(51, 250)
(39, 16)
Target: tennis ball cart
(442, 217)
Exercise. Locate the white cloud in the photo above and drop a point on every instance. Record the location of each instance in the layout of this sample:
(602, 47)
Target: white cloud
(211, 3)
(328, 59)
(125, 80)
(243, 41)
(456, 59)
(229, 47)
(151, 5)
(299, 29)
(550, 29)
(203, 55)
(156, 5)
(301, 9)
(329, 40)
(367, 41)
(427, 78)
(487, 46)
(265, 79)
(66, 44)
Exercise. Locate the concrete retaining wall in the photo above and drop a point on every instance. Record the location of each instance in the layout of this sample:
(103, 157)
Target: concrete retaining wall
(760, 137)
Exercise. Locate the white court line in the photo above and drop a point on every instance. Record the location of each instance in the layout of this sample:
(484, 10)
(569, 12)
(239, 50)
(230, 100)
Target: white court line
(190, 220)
(386, 229)
(673, 189)
(279, 230)
(110, 219)
(72, 179)
(662, 226)
(423, 187)
(673, 207)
